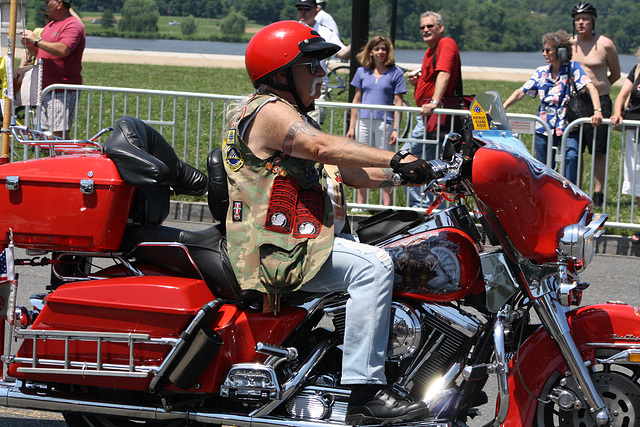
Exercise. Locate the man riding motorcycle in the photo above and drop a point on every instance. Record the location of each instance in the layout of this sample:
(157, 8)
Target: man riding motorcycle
(288, 209)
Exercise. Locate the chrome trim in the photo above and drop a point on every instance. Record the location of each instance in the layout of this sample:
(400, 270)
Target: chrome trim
(18, 395)
(578, 240)
(297, 378)
(621, 358)
(552, 315)
(456, 319)
(87, 186)
(12, 182)
(502, 369)
(67, 366)
(614, 345)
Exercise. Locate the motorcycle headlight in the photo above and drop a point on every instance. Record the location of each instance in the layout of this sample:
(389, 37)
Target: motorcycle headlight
(578, 242)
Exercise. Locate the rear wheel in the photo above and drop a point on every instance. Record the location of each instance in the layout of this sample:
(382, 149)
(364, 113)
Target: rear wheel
(619, 386)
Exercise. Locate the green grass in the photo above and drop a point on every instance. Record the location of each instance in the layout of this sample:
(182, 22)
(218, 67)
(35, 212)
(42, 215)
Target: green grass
(207, 29)
(235, 82)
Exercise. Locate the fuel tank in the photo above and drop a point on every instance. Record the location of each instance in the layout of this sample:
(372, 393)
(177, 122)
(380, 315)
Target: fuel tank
(437, 265)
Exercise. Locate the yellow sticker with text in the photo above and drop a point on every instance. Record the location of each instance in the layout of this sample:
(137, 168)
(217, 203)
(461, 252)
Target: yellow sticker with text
(479, 117)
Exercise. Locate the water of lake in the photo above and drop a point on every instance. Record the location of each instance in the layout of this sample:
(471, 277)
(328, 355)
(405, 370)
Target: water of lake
(526, 60)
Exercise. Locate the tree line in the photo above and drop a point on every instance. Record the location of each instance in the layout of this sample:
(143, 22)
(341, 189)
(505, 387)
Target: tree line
(476, 25)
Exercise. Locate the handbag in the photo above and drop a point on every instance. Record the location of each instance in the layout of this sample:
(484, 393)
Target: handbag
(457, 101)
(627, 101)
(579, 103)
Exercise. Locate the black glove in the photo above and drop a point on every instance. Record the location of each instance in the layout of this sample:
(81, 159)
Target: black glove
(416, 172)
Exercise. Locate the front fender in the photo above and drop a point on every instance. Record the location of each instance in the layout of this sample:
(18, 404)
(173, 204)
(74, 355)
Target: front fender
(539, 356)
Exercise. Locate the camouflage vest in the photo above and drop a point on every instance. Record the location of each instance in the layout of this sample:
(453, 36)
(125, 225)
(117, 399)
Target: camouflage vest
(280, 221)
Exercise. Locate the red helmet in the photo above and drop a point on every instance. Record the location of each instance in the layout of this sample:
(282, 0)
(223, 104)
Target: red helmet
(280, 45)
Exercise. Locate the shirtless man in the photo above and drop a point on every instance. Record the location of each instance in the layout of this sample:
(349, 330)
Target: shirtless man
(599, 57)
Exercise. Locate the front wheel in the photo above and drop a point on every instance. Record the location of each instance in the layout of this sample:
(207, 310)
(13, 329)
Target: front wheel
(619, 386)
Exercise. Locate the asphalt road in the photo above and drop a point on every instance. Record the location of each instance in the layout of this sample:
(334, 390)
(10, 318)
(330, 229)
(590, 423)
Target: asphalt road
(612, 278)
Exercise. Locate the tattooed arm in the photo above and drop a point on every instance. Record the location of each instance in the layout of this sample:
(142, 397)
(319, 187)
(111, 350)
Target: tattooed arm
(367, 177)
(279, 128)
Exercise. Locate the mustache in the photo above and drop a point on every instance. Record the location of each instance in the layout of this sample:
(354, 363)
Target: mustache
(316, 82)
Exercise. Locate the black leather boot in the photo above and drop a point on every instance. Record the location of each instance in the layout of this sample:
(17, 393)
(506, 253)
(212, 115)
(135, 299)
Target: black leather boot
(375, 404)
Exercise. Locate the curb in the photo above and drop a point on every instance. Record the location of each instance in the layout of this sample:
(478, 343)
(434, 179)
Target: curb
(199, 213)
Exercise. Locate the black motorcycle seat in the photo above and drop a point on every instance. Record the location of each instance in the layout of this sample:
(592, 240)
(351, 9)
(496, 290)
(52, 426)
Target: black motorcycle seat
(218, 196)
(146, 160)
(207, 248)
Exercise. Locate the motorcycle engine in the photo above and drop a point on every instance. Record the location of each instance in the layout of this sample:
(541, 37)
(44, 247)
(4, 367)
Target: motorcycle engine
(424, 342)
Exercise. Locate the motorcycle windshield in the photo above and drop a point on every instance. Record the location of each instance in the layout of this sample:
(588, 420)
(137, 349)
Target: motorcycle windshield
(487, 112)
(532, 202)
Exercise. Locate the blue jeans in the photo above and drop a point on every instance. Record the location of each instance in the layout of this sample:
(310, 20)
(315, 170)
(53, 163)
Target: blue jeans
(416, 197)
(366, 273)
(571, 155)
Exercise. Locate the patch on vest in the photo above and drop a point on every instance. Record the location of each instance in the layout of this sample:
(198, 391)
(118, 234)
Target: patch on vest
(308, 214)
(237, 211)
(232, 154)
(292, 209)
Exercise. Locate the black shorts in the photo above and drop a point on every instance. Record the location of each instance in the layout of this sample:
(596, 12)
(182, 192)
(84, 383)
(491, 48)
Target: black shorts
(601, 131)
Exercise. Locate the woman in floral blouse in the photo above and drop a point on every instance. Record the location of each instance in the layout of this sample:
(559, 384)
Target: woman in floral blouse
(551, 83)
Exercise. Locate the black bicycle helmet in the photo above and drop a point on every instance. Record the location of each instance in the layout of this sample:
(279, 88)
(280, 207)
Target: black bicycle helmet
(584, 7)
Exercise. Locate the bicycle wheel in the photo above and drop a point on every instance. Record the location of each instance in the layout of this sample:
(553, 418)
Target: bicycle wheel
(338, 81)
(405, 122)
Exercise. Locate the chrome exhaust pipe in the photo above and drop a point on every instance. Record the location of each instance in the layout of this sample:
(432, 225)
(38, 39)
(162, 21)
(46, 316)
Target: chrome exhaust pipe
(18, 396)
(33, 397)
(15, 396)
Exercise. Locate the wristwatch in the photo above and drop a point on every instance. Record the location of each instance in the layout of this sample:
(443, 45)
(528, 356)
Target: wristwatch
(598, 109)
(35, 43)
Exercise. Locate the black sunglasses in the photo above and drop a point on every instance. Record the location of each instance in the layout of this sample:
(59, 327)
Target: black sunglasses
(314, 64)
(429, 26)
(305, 8)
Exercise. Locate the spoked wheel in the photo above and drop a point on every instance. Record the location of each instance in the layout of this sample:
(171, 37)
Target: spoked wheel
(619, 386)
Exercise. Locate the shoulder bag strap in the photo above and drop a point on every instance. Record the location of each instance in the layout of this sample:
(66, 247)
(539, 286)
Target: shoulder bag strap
(458, 90)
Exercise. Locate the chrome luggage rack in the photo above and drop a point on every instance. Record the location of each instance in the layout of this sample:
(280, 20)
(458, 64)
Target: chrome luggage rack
(46, 139)
(85, 368)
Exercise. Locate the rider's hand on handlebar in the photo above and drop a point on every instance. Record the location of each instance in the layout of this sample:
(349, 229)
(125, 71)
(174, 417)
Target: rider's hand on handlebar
(416, 171)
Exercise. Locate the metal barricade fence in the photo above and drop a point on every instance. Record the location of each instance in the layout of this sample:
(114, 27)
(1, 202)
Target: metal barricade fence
(621, 175)
(410, 132)
(193, 125)
(191, 122)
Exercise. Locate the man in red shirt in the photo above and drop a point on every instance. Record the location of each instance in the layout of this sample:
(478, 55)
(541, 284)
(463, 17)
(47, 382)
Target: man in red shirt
(60, 47)
(431, 84)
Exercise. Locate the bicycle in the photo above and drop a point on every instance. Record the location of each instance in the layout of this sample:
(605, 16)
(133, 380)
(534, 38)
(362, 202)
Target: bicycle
(338, 80)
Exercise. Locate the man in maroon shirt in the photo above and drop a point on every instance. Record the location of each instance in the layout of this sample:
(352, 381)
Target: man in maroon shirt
(60, 47)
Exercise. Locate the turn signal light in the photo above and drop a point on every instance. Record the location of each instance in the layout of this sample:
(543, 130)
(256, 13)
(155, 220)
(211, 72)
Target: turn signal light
(24, 317)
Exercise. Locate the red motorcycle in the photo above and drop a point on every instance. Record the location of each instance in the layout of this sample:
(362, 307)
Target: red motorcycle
(146, 324)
